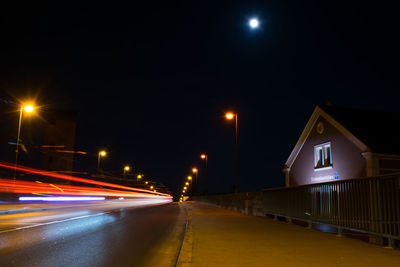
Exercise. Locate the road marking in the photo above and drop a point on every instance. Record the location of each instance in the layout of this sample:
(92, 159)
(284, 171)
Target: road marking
(53, 222)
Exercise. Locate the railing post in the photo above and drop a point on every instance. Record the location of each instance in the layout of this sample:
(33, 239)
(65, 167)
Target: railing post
(392, 242)
(339, 231)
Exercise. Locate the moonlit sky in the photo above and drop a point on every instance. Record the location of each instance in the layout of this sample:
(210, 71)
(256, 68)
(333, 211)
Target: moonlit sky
(151, 81)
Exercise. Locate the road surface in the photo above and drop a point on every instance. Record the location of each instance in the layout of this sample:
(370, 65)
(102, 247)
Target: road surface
(111, 234)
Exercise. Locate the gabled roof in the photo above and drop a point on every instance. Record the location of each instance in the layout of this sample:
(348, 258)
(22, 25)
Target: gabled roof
(371, 131)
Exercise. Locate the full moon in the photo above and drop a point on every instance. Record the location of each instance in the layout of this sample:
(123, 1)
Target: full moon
(254, 23)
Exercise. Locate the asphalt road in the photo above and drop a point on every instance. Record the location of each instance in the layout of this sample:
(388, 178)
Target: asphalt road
(112, 234)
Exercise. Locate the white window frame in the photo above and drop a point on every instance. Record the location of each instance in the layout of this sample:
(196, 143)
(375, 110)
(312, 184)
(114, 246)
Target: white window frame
(322, 147)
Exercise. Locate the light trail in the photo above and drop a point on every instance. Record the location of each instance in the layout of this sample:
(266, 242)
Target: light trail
(76, 179)
(61, 198)
(27, 187)
(45, 190)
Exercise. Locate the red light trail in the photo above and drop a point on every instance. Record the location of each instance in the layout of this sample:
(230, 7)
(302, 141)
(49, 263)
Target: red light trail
(24, 187)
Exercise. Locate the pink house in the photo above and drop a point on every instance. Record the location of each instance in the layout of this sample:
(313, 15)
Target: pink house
(342, 143)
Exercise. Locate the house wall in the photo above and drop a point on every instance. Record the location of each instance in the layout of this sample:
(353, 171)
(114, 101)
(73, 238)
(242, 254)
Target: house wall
(347, 161)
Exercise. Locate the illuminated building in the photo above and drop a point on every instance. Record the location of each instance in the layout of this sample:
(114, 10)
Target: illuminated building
(342, 143)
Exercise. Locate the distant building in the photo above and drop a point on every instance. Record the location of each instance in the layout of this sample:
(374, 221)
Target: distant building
(341, 143)
(59, 141)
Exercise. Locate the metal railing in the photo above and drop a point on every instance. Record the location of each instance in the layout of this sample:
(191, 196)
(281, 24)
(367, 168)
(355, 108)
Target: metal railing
(369, 205)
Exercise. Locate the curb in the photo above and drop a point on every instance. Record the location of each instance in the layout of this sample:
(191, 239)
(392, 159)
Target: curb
(186, 254)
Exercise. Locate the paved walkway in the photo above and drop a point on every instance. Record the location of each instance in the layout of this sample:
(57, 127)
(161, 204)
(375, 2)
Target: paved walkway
(219, 237)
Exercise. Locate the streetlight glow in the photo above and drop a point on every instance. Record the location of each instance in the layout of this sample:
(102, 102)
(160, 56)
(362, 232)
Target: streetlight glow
(103, 153)
(28, 108)
(187, 183)
(229, 115)
(139, 176)
(189, 178)
(194, 170)
(127, 168)
(254, 23)
(203, 156)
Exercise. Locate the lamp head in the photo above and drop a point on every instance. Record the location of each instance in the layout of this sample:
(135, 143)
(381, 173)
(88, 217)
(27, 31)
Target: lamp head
(229, 116)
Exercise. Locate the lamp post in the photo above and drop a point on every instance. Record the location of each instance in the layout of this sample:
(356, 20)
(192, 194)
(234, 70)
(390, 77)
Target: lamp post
(138, 177)
(27, 109)
(102, 153)
(127, 168)
(231, 116)
(195, 181)
(205, 157)
(190, 180)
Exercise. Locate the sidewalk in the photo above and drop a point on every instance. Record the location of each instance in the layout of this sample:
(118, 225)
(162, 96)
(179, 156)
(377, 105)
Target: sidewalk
(219, 237)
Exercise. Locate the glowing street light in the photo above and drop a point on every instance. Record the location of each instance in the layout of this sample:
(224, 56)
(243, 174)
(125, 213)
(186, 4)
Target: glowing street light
(187, 183)
(189, 178)
(28, 109)
(102, 153)
(205, 157)
(231, 116)
(254, 23)
(195, 181)
(127, 168)
(151, 187)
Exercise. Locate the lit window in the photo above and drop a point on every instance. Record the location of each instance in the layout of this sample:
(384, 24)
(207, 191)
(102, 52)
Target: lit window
(322, 156)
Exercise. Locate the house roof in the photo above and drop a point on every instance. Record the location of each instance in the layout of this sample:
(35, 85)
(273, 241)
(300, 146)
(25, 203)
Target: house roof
(371, 131)
(378, 130)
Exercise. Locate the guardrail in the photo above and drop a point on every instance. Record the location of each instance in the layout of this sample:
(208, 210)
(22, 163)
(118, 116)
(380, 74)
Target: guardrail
(246, 202)
(369, 205)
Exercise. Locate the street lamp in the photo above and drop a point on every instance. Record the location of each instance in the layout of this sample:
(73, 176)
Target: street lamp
(205, 157)
(127, 168)
(139, 176)
(231, 116)
(28, 109)
(187, 183)
(102, 153)
(151, 187)
(195, 171)
(189, 178)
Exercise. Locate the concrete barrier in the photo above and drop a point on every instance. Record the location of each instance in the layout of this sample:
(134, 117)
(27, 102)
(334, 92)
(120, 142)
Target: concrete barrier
(250, 203)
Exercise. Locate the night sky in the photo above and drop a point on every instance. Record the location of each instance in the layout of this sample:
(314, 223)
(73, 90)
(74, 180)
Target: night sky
(152, 81)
